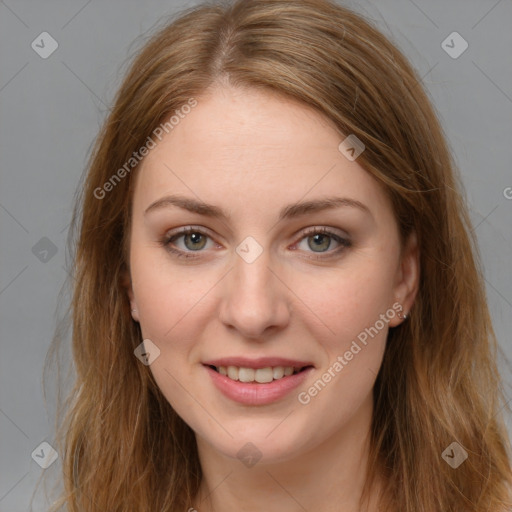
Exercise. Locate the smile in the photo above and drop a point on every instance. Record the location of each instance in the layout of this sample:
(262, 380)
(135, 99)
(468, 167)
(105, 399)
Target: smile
(259, 375)
(256, 381)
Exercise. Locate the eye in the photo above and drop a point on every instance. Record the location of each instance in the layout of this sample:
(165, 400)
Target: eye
(321, 239)
(195, 240)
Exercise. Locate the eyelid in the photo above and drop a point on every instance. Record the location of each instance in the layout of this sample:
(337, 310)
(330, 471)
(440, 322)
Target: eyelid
(165, 241)
(323, 229)
(343, 239)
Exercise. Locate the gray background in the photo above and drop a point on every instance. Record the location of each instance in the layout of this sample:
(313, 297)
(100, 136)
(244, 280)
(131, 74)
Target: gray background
(51, 110)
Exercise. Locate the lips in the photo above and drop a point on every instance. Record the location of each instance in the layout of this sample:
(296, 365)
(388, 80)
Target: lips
(257, 381)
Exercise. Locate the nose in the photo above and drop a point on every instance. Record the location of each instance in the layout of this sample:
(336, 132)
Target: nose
(255, 300)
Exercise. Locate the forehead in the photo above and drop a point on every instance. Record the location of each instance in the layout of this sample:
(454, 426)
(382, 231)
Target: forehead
(249, 148)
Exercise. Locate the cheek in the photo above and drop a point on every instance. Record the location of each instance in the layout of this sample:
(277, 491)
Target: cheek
(166, 295)
(356, 308)
(169, 303)
(348, 301)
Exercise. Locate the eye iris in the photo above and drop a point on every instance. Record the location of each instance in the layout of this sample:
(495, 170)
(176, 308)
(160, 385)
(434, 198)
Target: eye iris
(195, 240)
(195, 237)
(320, 237)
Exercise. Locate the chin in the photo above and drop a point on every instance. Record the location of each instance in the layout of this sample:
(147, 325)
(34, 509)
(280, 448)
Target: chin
(266, 441)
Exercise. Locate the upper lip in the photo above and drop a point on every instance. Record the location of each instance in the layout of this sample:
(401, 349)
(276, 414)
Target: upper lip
(260, 362)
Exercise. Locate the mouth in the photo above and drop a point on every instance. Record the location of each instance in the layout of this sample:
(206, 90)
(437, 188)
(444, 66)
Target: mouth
(262, 375)
(259, 381)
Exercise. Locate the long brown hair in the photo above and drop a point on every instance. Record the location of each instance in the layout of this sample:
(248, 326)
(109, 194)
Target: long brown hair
(122, 445)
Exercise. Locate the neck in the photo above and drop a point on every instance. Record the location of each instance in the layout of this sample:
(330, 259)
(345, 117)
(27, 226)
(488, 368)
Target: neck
(329, 477)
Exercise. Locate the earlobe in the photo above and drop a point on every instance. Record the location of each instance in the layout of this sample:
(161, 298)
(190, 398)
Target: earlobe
(407, 284)
(134, 310)
(127, 285)
(133, 304)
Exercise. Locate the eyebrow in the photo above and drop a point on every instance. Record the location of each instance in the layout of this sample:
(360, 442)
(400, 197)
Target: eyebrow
(288, 212)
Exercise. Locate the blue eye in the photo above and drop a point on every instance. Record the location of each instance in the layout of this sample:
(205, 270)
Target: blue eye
(321, 238)
(195, 240)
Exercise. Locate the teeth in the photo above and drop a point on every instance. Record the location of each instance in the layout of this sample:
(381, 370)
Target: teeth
(233, 372)
(278, 372)
(261, 375)
(246, 374)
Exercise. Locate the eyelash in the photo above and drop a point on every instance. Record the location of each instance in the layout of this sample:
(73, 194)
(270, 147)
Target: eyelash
(344, 243)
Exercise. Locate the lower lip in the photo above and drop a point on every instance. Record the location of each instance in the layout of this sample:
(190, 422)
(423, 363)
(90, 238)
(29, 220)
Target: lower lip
(253, 393)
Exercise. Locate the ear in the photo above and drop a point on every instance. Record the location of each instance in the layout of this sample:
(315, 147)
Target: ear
(407, 281)
(126, 283)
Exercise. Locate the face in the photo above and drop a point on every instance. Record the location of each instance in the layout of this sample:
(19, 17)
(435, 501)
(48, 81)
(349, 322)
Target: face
(290, 298)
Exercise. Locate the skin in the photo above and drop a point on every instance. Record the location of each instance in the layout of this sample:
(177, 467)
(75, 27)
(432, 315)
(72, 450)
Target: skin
(251, 153)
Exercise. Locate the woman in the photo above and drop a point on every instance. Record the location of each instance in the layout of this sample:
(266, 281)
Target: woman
(277, 300)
